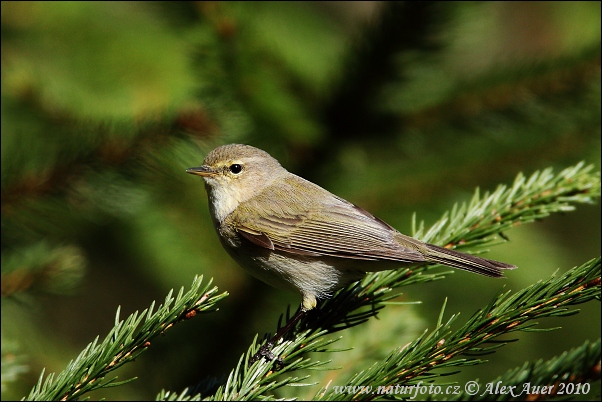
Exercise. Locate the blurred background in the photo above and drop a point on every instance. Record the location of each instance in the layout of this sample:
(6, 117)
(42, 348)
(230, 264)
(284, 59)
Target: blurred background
(397, 107)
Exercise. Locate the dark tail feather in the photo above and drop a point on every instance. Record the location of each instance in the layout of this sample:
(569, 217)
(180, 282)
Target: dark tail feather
(465, 261)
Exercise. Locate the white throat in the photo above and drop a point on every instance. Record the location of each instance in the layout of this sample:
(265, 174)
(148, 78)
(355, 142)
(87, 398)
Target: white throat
(222, 201)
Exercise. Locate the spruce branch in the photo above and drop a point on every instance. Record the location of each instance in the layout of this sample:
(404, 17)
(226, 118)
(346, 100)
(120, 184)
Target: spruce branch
(126, 152)
(507, 313)
(472, 224)
(253, 382)
(577, 366)
(13, 363)
(527, 200)
(128, 339)
(41, 267)
(547, 80)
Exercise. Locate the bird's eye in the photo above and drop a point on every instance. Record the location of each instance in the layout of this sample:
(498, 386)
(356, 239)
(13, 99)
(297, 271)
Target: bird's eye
(235, 168)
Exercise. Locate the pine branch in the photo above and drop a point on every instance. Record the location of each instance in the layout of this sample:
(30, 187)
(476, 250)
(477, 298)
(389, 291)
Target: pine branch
(475, 223)
(507, 313)
(578, 366)
(123, 344)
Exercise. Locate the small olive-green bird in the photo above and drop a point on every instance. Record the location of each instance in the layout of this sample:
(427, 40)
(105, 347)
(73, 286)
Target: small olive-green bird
(293, 234)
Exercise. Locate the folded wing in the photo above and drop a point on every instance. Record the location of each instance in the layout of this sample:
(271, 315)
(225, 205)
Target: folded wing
(317, 223)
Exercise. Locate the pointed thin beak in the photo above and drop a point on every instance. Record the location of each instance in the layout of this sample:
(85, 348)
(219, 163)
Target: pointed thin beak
(201, 171)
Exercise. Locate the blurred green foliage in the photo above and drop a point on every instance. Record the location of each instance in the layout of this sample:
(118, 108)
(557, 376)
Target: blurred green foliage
(397, 107)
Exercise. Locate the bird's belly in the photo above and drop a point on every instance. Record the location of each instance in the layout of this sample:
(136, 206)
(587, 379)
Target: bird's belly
(306, 275)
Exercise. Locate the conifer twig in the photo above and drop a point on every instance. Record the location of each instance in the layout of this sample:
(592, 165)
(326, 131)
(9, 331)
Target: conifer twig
(527, 200)
(128, 339)
(577, 366)
(507, 313)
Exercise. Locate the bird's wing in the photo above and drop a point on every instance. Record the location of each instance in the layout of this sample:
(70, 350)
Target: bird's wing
(326, 225)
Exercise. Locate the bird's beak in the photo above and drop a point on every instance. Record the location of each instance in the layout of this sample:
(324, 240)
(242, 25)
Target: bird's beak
(201, 171)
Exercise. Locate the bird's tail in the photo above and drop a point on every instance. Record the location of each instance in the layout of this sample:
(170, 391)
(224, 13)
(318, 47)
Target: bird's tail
(465, 261)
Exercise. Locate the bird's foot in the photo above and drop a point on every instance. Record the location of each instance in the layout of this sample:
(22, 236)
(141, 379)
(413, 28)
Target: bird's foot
(265, 351)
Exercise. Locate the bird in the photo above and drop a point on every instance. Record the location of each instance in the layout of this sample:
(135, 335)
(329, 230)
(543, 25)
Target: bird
(293, 234)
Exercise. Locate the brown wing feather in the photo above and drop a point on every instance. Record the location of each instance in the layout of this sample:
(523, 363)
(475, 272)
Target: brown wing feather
(328, 227)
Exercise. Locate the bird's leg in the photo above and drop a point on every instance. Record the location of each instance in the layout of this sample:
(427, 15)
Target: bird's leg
(266, 350)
